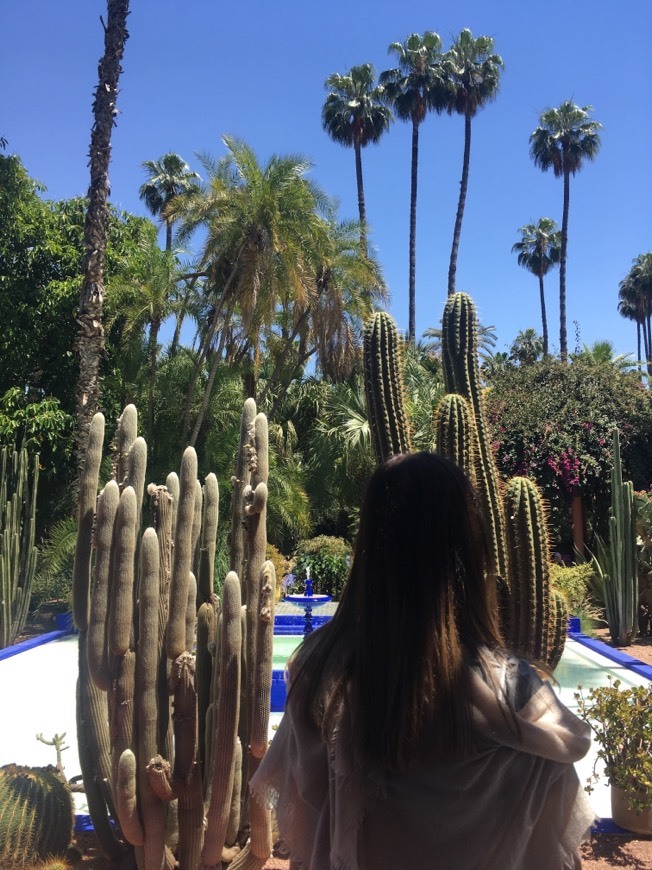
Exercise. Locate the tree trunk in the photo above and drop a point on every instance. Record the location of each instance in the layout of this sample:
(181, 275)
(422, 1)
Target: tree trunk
(638, 345)
(168, 235)
(413, 232)
(544, 318)
(361, 206)
(577, 517)
(452, 268)
(563, 335)
(90, 338)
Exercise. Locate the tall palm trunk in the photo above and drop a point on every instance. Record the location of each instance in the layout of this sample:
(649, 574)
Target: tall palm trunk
(361, 206)
(452, 268)
(413, 231)
(638, 344)
(563, 335)
(544, 318)
(168, 235)
(90, 338)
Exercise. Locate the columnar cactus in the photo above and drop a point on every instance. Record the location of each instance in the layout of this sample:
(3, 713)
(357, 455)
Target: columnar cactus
(384, 388)
(532, 615)
(167, 771)
(462, 376)
(17, 529)
(616, 563)
(36, 814)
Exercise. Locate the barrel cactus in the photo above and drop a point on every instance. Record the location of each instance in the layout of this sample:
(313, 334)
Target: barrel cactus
(36, 814)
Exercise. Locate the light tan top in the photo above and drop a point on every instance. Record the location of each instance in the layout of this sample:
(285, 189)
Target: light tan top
(514, 804)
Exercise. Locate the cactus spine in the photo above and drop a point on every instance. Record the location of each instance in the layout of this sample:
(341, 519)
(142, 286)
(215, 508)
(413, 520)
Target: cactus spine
(17, 530)
(36, 814)
(384, 388)
(145, 694)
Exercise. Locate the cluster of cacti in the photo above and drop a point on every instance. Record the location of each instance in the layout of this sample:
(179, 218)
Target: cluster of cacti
(173, 682)
(616, 563)
(533, 616)
(36, 814)
(17, 530)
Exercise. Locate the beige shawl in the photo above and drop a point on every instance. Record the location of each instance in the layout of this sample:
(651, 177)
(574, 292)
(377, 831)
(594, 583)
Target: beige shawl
(514, 804)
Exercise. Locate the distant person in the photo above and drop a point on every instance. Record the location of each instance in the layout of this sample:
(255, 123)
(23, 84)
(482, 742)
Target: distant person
(412, 739)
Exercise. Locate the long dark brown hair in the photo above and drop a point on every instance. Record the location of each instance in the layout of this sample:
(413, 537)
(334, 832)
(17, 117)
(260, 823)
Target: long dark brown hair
(419, 604)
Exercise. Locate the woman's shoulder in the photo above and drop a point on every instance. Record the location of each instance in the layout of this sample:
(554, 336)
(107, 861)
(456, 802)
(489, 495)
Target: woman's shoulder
(512, 677)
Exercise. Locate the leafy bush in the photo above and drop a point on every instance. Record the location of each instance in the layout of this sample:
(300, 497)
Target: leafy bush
(53, 579)
(577, 584)
(574, 583)
(327, 560)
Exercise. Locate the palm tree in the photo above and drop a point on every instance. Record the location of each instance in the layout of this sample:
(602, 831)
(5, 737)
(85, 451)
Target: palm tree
(601, 353)
(473, 73)
(564, 139)
(635, 303)
(142, 299)
(527, 347)
(354, 115)
(414, 87)
(264, 231)
(169, 177)
(538, 250)
(90, 340)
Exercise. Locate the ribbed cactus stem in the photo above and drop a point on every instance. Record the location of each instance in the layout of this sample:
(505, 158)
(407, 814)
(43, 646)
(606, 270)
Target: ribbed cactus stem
(126, 433)
(384, 388)
(454, 433)
(461, 375)
(96, 645)
(225, 726)
(126, 801)
(152, 808)
(81, 573)
(176, 642)
(621, 574)
(17, 531)
(205, 579)
(240, 481)
(530, 573)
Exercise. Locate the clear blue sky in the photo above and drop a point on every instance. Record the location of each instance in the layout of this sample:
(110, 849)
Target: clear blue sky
(196, 70)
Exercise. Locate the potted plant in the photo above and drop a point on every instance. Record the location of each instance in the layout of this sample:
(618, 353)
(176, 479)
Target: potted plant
(622, 727)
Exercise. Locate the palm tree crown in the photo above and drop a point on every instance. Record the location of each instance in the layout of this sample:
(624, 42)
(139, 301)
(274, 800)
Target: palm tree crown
(169, 177)
(564, 139)
(355, 115)
(635, 303)
(539, 249)
(473, 73)
(414, 87)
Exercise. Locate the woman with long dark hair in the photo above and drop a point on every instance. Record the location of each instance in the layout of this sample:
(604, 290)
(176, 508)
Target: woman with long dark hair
(411, 737)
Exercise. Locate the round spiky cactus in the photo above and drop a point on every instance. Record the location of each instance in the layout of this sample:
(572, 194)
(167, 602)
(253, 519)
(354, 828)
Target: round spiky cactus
(36, 814)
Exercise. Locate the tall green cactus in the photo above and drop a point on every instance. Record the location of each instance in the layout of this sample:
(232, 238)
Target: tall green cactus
(615, 563)
(384, 388)
(149, 637)
(36, 814)
(462, 376)
(532, 615)
(17, 529)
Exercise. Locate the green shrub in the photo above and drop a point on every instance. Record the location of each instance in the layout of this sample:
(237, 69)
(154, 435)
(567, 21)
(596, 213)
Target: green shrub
(327, 560)
(574, 583)
(577, 584)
